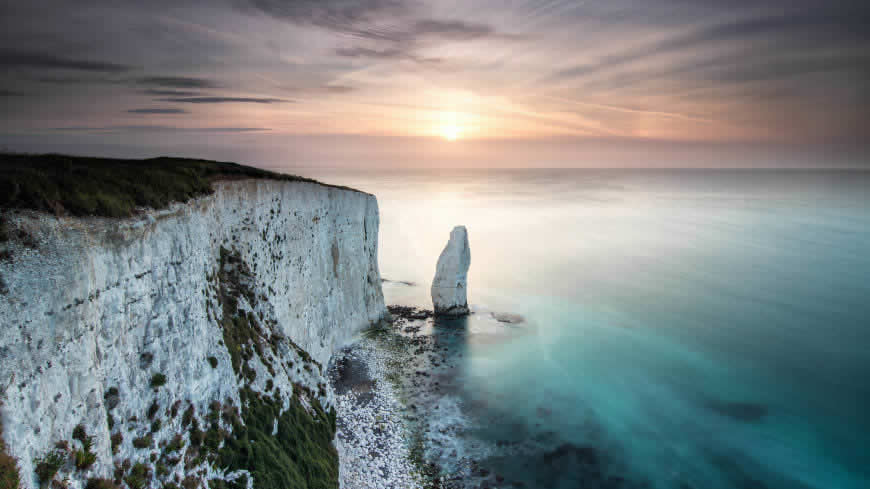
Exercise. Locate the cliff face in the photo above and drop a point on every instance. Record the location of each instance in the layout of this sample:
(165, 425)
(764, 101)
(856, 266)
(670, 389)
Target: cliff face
(158, 332)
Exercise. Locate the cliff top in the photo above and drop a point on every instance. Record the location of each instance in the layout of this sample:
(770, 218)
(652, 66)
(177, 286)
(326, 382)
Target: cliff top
(112, 187)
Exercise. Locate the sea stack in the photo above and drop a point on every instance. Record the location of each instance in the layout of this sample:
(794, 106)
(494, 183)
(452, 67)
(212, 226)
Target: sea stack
(451, 276)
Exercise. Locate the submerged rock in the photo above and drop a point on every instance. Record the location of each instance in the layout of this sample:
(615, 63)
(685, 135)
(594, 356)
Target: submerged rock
(449, 296)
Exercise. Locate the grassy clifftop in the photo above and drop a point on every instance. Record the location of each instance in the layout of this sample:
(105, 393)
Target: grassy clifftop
(80, 186)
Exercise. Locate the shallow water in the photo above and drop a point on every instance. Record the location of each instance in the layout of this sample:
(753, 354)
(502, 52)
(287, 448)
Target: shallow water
(683, 328)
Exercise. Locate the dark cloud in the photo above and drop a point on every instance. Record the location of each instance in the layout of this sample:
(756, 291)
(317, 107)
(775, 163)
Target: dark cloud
(393, 53)
(361, 52)
(337, 15)
(391, 21)
(21, 59)
(156, 128)
(454, 30)
(157, 111)
(10, 93)
(170, 93)
(178, 82)
(220, 100)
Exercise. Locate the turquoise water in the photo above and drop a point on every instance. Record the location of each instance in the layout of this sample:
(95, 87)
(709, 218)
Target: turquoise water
(684, 328)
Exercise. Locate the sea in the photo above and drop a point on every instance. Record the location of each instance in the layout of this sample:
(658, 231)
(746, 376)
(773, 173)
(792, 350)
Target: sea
(703, 329)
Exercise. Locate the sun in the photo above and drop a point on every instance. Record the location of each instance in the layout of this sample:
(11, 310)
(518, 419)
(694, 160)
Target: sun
(450, 132)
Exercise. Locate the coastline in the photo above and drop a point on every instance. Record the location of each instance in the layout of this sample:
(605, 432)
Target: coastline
(372, 439)
(399, 424)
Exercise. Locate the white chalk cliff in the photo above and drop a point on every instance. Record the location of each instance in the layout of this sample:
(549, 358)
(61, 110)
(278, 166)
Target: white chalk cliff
(126, 326)
(449, 288)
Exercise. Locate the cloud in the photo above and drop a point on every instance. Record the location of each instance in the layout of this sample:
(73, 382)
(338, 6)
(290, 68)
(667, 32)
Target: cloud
(157, 111)
(391, 21)
(454, 30)
(337, 15)
(178, 82)
(156, 128)
(221, 100)
(822, 27)
(170, 93)
(338, 88)
(10, 93)
(21, 59)
(384, 54)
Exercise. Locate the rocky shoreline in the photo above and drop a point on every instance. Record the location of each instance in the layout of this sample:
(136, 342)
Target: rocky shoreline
(372, 440)
(397, 421)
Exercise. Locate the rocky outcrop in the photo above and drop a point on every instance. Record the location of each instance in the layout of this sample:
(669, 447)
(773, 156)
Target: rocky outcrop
(449, 288)
(177, 336)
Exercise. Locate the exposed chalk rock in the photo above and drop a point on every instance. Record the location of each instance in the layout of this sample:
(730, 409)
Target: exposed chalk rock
(449, 296)
(120, 325)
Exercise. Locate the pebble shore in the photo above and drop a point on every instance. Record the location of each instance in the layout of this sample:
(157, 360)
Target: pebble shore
(372, 440)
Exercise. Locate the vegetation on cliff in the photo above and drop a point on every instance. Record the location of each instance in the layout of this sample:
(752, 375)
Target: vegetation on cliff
(80, 186)
(9, 476)
(279, 447)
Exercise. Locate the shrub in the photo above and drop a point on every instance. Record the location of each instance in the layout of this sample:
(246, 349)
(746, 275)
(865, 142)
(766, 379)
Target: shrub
(176, 444)
(48, 465)
(187, 417)
(99, 483)
(143, 441)
(79, 433)
(117, 438)
(158, 380)
(155, 426)
(9, 475)
(152, 409)
(84, 459)
(174, 411)
(190, 482)
(138, 477)
(112, 398)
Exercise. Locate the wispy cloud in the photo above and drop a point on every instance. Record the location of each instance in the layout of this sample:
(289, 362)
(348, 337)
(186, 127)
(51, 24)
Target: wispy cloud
(384, 54)
(178, 82)
(221, 100)
(170, 93)
(337, 15)
(157, 111)
(23, 59)
(156, 128)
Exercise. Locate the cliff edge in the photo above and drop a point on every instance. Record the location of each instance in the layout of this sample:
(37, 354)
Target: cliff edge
(184, 346)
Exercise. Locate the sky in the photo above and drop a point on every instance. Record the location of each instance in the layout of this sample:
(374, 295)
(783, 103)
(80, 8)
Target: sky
(373, 83)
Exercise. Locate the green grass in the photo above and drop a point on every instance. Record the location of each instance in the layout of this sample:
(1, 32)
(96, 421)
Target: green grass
(80, 186)
(84, 459)
(299, 455)
(243, 335)
(139, 476)
(9, 475)
(48, 465)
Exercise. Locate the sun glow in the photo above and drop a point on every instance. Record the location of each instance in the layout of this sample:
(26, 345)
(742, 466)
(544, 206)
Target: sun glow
(450, 132)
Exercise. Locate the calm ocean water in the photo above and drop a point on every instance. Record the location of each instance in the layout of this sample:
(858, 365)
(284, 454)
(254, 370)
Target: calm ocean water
(684, 328)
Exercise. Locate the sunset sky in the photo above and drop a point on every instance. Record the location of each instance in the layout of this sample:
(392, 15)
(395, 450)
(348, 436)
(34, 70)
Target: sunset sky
(330, 82)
